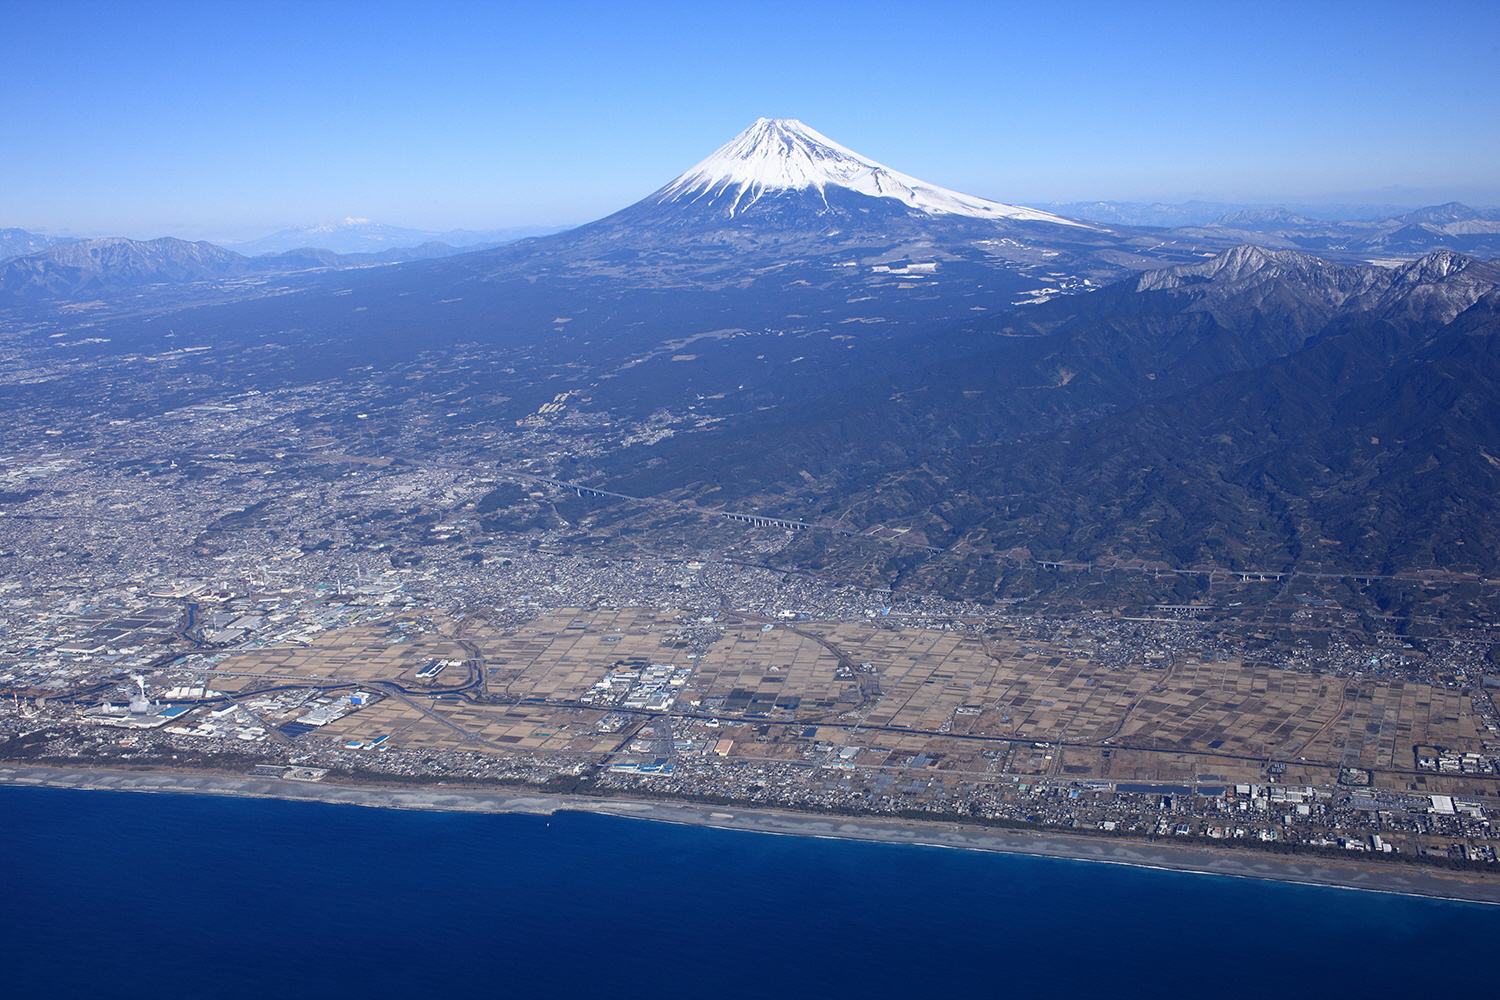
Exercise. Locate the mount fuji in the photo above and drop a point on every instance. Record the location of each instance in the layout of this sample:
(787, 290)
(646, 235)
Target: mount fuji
(783, 196)
(789, 262)
(776, 157)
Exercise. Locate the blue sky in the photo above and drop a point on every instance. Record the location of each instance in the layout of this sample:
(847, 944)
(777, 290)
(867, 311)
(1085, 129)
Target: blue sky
(224, 119)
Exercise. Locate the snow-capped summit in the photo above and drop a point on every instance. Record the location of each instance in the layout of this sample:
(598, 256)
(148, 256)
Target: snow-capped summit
(782, 154)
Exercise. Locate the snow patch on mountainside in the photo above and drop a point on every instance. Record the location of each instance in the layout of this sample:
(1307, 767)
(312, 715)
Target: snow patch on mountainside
(780, 154)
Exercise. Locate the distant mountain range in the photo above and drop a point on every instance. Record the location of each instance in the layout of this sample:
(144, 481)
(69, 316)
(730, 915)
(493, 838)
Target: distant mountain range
(92, 267)
(1345, 232)
(62, 270)
(1201, 213)
(61, 267)
(361, 236)
(15, 242)
(1454, 226)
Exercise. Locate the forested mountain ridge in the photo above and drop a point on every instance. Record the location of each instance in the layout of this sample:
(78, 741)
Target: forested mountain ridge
(1263, 409)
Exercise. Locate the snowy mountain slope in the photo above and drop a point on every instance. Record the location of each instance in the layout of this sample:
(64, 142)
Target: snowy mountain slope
(781, 154)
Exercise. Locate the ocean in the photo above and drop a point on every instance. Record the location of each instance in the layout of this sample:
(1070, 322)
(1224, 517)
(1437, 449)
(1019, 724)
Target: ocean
(121, 895)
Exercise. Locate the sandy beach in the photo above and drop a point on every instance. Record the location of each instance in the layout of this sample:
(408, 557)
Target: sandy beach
(1353, 874)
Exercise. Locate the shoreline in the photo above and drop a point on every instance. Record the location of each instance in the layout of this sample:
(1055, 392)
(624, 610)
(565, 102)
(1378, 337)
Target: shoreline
(1354, 874)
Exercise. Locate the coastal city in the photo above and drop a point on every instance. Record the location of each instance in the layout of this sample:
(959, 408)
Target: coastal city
(324, 586)
(808, 698)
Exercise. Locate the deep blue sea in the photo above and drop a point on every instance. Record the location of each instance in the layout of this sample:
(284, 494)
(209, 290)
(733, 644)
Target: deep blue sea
(121, 895)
